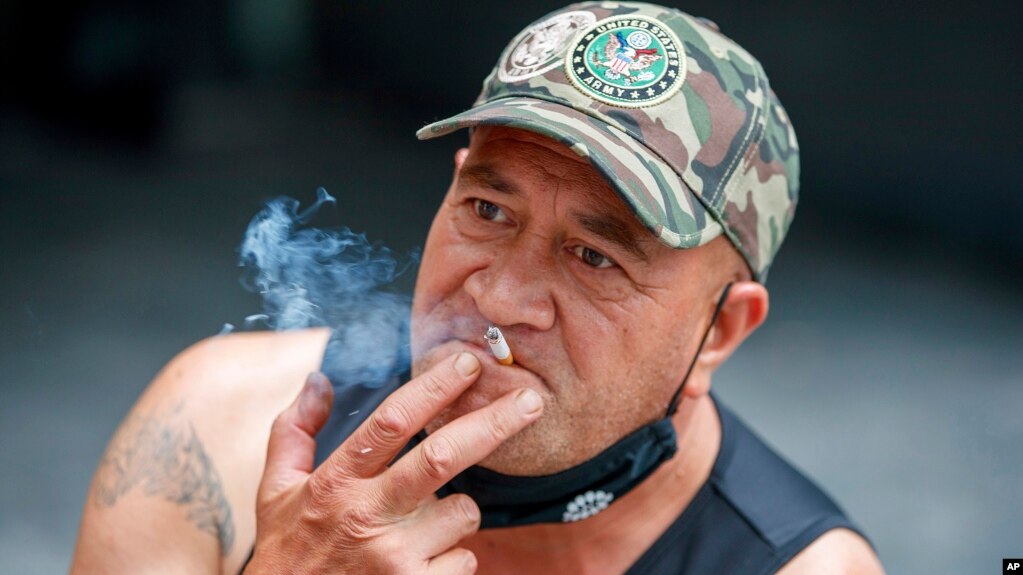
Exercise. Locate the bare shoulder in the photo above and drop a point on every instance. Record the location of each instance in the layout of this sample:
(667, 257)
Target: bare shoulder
(239, 371)
(837, 552)
(175, 489)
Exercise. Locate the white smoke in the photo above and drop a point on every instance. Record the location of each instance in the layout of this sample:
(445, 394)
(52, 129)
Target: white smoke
(311, 277)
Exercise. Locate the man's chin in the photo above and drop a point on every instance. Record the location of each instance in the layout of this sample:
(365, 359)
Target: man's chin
(536, 450)
(539, 449)
(532, 452)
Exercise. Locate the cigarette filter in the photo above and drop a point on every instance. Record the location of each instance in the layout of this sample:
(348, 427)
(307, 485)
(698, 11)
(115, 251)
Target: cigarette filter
(499, 346)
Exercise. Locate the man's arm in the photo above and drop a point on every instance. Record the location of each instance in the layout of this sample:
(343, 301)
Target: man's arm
(837, 552)
(175, 490)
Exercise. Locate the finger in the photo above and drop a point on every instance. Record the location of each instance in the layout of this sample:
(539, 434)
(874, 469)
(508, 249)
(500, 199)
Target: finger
(290, 451)
(459, 444)
(439, 525)
(457, 561)
(379, 439)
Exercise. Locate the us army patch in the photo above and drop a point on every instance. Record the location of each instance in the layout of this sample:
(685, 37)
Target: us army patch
(539, 48)
(627, 61)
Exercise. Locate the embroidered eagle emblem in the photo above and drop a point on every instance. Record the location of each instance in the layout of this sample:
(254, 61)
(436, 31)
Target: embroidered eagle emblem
(622, 58)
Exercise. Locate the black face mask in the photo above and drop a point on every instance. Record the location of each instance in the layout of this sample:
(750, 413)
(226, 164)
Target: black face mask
(581, 491)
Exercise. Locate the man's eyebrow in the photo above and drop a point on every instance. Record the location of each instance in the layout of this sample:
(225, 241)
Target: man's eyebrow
(487, 177)
(606, 226)
(615, 231)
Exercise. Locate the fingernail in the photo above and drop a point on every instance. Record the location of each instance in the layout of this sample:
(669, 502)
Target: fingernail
(316, 385)
(528, 401)
(466, 364)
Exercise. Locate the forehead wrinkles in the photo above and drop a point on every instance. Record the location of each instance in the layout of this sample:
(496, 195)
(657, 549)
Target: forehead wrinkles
(503, 148)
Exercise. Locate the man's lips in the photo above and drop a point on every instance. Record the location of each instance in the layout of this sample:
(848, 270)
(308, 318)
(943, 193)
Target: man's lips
(480, 349)
(509, 377)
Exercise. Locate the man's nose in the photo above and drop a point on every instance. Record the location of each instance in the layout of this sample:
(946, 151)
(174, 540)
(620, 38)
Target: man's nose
(515, 288)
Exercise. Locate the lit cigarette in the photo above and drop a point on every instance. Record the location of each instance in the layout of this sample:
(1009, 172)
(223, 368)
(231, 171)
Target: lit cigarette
(498, 346)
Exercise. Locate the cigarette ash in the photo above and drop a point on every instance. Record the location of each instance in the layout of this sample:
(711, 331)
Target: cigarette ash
(310, 277)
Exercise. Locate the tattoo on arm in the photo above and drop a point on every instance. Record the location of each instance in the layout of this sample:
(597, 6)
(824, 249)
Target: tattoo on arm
(165, 458)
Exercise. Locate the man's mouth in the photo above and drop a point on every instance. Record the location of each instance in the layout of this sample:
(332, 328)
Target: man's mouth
(479, 347)
(497, 378)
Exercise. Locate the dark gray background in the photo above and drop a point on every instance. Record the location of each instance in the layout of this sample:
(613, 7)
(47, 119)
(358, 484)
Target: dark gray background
(137, 140)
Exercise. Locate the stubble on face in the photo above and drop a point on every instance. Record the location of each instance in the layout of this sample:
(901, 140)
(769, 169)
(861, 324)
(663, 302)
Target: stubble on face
(611, 358)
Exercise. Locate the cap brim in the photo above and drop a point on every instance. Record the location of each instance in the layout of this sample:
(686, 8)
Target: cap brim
(647, 184)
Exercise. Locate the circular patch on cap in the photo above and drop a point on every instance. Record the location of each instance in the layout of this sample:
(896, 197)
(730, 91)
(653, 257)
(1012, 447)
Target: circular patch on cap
(627, 61)
(539, 48)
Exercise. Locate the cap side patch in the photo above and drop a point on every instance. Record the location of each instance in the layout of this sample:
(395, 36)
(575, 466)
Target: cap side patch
(540, 48)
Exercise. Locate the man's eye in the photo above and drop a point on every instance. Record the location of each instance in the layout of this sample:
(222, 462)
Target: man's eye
(592, 257)
(489, 211)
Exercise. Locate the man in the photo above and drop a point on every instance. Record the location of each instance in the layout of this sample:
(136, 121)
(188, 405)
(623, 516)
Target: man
(629, 179)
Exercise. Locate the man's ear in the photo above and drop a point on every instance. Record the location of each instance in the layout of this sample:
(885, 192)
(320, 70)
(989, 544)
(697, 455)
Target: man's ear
(460, 156)
(742, 313)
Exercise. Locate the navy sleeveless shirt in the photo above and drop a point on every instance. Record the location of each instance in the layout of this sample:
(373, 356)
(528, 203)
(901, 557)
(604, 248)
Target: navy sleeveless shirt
(753, 514)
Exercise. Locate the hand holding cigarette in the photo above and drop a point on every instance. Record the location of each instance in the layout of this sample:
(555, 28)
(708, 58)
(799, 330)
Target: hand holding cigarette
(380, 515)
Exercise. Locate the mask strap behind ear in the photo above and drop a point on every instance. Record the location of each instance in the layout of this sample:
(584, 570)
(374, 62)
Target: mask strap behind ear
(673, 404)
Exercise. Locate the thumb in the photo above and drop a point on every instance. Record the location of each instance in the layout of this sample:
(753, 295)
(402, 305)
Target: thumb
(291, 449)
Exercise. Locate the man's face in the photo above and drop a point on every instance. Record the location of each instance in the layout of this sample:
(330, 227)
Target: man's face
(602, 318)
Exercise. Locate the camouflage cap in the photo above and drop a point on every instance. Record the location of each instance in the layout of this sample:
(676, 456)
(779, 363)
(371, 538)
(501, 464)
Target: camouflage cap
(679, 118)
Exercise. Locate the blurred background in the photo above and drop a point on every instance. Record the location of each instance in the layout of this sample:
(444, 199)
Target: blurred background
(138, 139)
